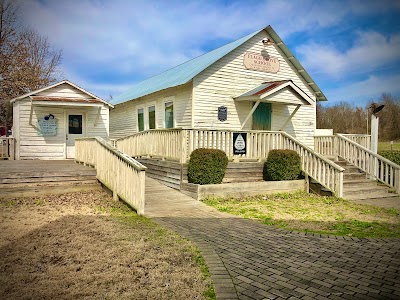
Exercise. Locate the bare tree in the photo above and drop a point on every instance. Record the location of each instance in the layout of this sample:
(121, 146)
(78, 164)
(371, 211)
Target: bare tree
(344, 118)
(27, 61)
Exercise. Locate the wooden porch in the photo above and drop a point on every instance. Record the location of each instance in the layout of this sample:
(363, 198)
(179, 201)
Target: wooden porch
(38, 177)
(367, 175)
(177, 144)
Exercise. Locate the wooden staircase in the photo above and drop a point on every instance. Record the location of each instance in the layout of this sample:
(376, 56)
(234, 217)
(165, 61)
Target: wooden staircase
(357, 186)
(24, 178)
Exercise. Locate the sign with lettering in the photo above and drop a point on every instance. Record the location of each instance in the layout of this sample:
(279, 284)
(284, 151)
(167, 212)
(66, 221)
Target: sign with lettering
(239, 142)
(222, 113)
(263, 63)
(47, 126)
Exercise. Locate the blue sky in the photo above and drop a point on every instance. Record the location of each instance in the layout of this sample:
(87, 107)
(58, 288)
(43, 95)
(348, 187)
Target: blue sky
(350, 48)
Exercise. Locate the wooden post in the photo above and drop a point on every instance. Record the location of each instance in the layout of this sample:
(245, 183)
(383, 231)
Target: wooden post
(340, 185)
(12, 148)
(184, 151)
(141, 193)
(336, 147)
(397, 181)
(307, 183)
(374, 133)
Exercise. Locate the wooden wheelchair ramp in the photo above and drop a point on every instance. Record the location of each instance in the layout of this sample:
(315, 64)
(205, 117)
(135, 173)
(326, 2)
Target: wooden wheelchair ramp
(21, 178)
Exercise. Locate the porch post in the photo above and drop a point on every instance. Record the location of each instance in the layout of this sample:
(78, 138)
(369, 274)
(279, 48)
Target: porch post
(290, 117)
(250, 114)
(184, 148)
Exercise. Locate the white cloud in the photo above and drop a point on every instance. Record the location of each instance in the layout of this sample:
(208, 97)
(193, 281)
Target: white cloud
(126, 39)
(364, 91)
(371, 51)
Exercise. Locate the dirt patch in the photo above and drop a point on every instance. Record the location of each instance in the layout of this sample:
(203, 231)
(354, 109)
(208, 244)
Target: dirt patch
(85, 245)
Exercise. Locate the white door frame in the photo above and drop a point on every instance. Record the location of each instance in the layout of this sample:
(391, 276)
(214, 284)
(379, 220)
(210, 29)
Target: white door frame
(68, 112)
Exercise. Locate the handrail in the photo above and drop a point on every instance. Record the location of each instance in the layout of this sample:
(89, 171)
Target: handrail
(361, 139)
(7, 148)
(123, 175)
(321, 169)
(325, 145)
(165, 143)
(373, 164)
(180, 143)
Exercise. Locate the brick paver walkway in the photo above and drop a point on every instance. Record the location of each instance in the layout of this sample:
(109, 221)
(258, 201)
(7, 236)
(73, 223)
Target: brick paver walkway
(248, 260)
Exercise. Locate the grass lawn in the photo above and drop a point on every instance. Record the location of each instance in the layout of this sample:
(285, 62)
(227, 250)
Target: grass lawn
(85, 245)
(301, 211)
(386, 146)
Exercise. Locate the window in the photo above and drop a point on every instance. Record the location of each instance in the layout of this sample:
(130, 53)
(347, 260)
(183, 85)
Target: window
(140, 119)
(152, 117)
(75, 124)
(169, 114)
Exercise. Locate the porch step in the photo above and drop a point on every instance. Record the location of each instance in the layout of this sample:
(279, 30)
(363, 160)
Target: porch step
(353, 176)
(356, 185)
(372, 195)
(34, 178)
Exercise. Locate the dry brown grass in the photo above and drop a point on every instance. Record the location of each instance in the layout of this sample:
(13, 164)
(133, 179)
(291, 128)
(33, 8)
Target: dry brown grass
(84, 245)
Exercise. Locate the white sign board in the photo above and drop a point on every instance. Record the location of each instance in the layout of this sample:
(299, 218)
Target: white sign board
(258, 62)
(47, 126)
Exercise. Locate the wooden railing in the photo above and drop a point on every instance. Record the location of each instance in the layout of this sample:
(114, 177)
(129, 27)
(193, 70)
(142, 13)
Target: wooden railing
(361, 139)
(179, 143)
(7, 148)
(321, 169)
(258, 143)
(373, 164)
(123, 175)
(166, 143)
(327, 145)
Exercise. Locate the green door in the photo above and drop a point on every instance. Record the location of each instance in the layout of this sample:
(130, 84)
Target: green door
(262, 117)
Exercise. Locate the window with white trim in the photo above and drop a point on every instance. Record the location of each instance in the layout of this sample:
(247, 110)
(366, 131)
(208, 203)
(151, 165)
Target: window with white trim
(152, 116)
(169, 114)
(140, 119)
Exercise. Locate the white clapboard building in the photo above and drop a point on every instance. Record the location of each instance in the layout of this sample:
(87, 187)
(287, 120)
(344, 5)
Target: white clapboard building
(47, 121)
(253, 83)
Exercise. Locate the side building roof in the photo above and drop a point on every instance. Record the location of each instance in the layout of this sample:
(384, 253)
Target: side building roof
(186, 71)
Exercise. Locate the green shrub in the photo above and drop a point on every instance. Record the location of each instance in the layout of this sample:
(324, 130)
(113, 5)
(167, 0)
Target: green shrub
(282, 165)
(207, 166)
(393, 156)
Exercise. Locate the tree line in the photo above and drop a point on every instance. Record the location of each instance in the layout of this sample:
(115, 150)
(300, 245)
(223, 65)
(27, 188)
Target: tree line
(27, 60)
(345, 118)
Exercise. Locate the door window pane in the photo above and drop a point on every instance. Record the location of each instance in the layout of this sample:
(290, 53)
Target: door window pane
(169, 115)
(152, 117)
(140, 119)
(75, 124)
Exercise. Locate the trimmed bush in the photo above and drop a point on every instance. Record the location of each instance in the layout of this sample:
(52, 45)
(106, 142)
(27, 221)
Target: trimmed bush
(207, 166)
(393, 156)
(282, 165)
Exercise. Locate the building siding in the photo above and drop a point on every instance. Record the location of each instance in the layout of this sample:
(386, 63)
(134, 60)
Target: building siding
(123, 118)
(228, 78)
(30, 145)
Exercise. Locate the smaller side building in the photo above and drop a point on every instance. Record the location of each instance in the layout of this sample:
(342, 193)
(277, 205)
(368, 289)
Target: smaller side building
(47, 121)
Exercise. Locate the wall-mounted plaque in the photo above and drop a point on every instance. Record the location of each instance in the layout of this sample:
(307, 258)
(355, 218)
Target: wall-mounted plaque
(222, 113)
(239, 142)
(258, 62)
(47, 126)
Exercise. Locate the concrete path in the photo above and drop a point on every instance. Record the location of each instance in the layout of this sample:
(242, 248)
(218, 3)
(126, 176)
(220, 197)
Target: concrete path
(392, 202)
(248, 260)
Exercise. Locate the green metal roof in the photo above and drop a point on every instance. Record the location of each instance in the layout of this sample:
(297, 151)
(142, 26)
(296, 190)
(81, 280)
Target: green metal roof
(185, 72)
(180, 74)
